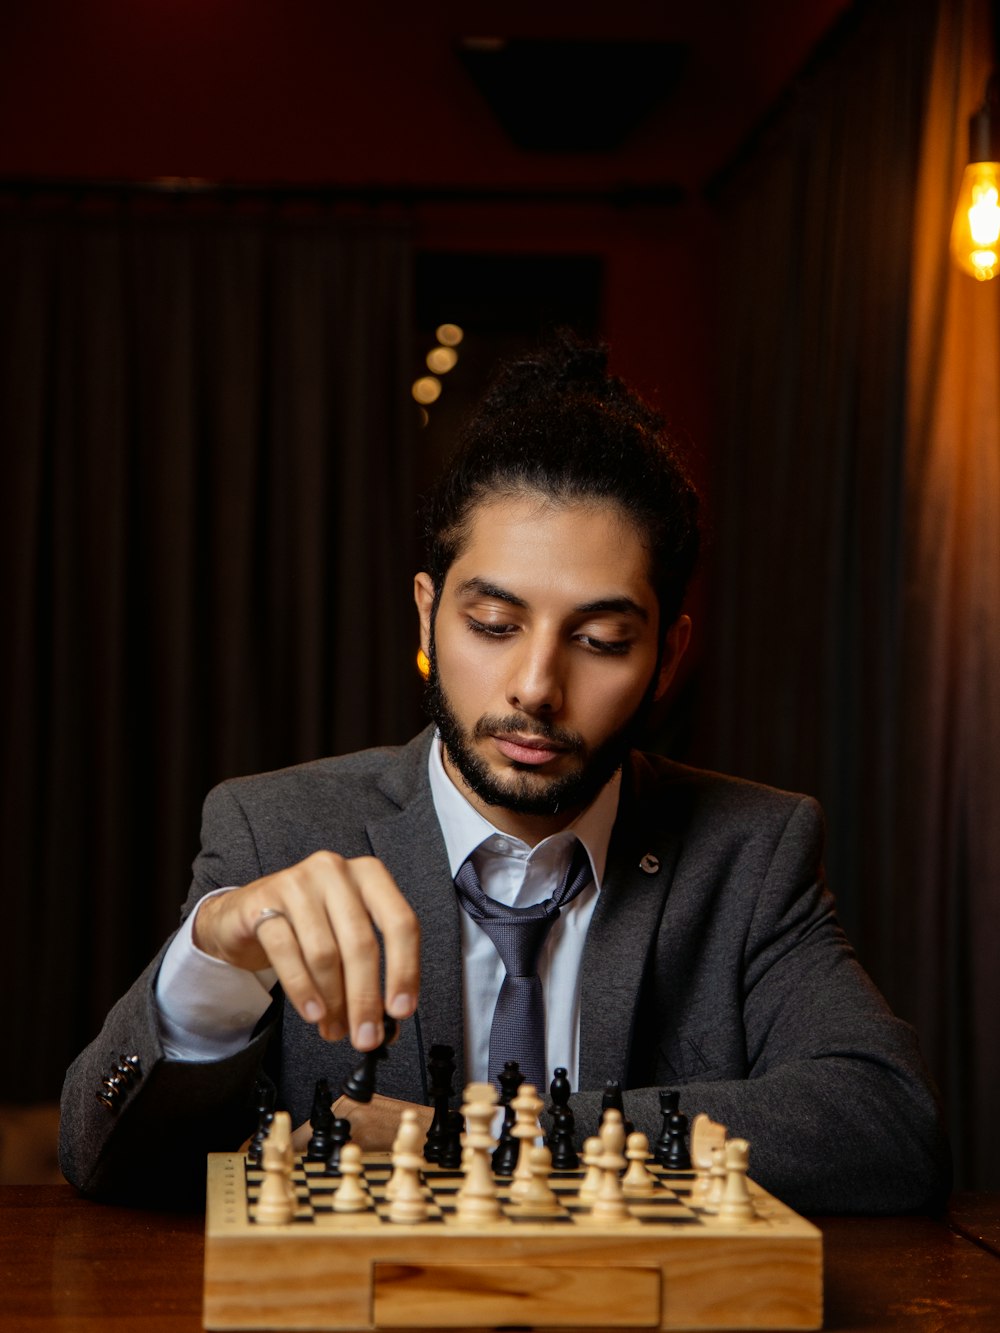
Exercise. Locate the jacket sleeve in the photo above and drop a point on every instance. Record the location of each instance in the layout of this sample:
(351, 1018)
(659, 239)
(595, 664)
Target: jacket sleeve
(802, 1056)
(146, 1139)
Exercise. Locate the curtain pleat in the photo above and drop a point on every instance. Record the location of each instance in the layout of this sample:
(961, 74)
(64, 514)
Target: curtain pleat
(948, 841)
(208, 546)
(855, 645)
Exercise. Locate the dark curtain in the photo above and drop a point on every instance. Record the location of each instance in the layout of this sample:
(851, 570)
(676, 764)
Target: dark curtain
(829, 665)
(208, 546)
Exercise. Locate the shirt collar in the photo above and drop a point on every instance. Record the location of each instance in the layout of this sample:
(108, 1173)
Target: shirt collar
(465, 829)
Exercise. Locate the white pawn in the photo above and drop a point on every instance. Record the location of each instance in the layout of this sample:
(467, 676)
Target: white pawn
(716, 1179)
(592, 1180)
(539, 1199)
(610, 1205)
(477, 1201)
(737, 1205)
(276, 1202)
(638, 1182)
(527, 1108)
(351, 1195)
(409, 1202)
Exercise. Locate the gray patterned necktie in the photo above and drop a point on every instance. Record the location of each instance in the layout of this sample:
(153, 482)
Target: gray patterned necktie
(518, 934)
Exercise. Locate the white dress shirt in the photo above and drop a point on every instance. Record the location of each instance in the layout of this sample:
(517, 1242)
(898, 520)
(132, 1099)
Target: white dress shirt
(208, 1009)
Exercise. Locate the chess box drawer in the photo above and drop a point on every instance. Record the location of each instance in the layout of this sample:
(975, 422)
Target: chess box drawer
(488, 1295)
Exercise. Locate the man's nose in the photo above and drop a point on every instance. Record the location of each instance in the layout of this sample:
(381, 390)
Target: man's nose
(535, 684)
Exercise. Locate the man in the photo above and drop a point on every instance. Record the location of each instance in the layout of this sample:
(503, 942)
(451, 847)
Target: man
(688, 939)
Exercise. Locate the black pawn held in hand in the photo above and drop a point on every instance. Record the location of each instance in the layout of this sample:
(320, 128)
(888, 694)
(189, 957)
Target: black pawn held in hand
(360, 1085)
(560, 1141)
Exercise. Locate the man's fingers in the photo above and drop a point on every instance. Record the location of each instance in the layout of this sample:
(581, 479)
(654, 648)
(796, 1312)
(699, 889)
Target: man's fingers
(318, 924)
(400, 932)
(282, 940)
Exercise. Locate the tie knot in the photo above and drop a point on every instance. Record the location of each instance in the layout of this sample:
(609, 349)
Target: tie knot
(519, 933)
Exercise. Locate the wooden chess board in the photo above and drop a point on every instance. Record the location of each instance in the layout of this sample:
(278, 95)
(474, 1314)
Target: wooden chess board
(670, 1266)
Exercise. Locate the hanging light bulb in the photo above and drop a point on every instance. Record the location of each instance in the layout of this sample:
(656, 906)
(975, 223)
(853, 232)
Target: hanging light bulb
(975, 232)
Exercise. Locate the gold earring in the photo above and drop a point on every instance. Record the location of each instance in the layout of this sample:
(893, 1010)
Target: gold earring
(423, 664)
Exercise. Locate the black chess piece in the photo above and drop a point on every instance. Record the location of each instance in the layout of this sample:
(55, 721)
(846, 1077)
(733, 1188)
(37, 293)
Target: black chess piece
(340, 1133)
(267, 1096)
(360, 1083)
(560, 1140)
(611, 1099)
(677, 1157)
(669, 1098)
(441, 1067)
(508, 1148)
(321, 1120)
(450, 1158)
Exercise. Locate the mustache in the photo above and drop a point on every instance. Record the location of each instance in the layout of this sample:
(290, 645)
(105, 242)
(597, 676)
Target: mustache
(514, 725)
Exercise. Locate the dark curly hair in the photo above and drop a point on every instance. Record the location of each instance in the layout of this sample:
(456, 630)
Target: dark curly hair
(555, 422)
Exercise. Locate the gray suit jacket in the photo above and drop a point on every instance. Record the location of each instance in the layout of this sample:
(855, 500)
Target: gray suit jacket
(724, 974)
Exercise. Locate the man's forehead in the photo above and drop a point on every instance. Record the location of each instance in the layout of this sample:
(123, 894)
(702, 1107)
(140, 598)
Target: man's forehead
(517, 544)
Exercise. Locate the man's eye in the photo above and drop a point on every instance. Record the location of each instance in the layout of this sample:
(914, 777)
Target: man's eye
(607, 647)
(491, 628)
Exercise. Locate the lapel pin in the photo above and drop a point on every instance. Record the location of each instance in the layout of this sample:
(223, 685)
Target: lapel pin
(649, 864)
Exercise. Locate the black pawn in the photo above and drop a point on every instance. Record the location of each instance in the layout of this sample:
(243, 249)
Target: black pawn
(360, 1084)
(451, 1144)
(611, 1098)
(560, 1141)
(508, 1148)
(321, 1119)
(441, 1067)
(668, 1107)
(340, 1133)
(677, 1157)
(267, 1096)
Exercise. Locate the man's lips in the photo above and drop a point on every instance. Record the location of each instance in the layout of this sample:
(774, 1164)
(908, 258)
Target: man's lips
(527, 749)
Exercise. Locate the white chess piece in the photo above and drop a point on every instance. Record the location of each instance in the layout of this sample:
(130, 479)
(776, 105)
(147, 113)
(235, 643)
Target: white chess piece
(276, 1202)
(736, 1205)
(592, 1180)
(476, 1200)
(409, 1202)
(351, 1195)
(610, 1205)
(526, 1129)
(539, 1199)
(638, 1182)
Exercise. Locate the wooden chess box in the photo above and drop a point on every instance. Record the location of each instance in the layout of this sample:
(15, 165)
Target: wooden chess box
(671, 1265)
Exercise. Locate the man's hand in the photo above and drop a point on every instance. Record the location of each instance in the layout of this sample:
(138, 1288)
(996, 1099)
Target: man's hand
(374, 1124)
(323, 944)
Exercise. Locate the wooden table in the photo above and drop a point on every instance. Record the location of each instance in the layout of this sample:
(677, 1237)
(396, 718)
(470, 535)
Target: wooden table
(79, 1267)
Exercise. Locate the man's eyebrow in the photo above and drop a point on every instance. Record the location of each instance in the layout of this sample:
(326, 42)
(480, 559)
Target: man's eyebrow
(483, 588)
(622, 606)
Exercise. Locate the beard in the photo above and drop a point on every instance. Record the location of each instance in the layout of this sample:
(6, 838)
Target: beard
(521, 788)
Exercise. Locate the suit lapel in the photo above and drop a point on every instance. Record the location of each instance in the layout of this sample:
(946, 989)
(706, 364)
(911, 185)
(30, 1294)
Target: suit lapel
(641, 861)
(410, 845)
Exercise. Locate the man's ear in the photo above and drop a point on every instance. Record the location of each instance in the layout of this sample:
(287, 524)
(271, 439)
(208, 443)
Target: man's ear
(423, 595)
(674, 647)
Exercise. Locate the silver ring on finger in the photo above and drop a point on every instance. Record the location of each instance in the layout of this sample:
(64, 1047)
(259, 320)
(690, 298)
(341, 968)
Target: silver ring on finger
(267, 914)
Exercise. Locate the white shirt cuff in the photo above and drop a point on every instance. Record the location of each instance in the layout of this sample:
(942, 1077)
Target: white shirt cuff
(207, 1008)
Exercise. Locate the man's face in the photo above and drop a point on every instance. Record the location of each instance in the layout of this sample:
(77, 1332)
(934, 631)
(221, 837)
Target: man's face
(544, 652)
